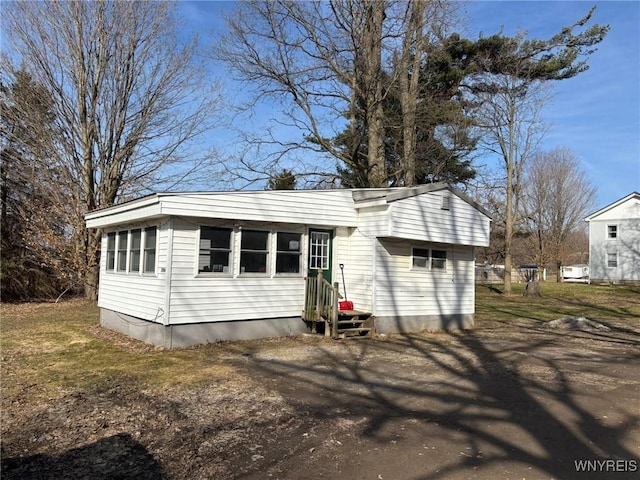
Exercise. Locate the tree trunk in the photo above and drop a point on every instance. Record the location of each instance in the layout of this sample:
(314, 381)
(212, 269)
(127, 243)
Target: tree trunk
(532, 289)
(373, 93)
(92, 254)
(412, 49)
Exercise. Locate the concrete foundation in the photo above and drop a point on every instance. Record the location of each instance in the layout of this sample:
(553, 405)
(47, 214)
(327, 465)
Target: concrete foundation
(176, 336)
(419, 323)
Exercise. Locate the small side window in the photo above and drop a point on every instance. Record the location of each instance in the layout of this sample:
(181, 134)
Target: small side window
(134, 254)
(612, 260)
(438, 259)
(111, 251)
(149, 261)
(612, 231)
(123, 246)
(421, 257)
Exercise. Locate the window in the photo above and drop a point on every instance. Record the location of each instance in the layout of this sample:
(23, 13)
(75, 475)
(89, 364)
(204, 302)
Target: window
(420, 257)
(612, 260)
(438, 260)
(429, 259)
(123, 244)
(254, 251)
(149, 261)
(134, 255)
(319, 250)
(111, 251)
(215, 250)
(288, 252)
(612, 231)
(137, 246)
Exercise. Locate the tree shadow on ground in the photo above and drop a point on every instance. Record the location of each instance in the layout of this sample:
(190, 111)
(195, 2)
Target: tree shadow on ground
(523, 407)
(115, 457)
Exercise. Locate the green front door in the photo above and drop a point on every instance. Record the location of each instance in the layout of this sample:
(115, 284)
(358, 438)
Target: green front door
(320, 246)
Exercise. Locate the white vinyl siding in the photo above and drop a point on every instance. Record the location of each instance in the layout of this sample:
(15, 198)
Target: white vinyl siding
(614, 253)
(355, 252)
(402, 290)
(328, 208)
(136, 294)
(210, 298)
(422, 218)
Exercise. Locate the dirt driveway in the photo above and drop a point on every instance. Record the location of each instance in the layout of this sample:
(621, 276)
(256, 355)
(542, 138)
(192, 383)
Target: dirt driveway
(502, 401)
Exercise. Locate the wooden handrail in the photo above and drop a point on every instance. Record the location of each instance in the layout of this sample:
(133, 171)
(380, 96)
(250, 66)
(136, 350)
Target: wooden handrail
(321, 302)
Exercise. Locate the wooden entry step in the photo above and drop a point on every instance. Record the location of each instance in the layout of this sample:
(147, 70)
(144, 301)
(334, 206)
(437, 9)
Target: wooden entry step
(355, 323)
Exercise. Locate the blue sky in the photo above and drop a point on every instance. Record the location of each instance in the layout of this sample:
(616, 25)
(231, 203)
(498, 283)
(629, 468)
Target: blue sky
(596, 114)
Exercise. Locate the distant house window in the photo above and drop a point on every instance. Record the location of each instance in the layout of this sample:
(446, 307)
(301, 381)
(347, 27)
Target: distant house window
(254, 251)
(288, 252)
(123, 245)
(429, 258)
(438, 259)
(612, 260)
(215, 250)
(111, 251)
(445, 203)
(134, 255)
(612, 231)
(149, 260)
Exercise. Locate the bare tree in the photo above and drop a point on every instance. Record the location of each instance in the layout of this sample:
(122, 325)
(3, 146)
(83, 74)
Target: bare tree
(129, 101)
(511, 116)
(557, 197)
(325, 62)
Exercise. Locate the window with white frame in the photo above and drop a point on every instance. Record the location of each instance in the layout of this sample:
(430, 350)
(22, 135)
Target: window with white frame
(134, 253)
(319, 244)
(430, 259)
(288, 252)
(612, 259)
(130, 250)
(421, 257)
(149, 257)
(438, 259)
(215, 250)
(111, 251)
(612, 231)
(254, 251)
(123, 245)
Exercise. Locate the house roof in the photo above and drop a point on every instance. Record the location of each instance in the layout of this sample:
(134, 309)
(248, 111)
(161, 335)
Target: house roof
(613, 205)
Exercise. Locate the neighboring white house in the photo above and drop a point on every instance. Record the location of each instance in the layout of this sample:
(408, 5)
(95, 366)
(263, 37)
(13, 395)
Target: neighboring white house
(187, 268)
(614, 241)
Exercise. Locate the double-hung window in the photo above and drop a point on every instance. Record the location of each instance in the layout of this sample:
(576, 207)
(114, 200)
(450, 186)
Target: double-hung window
(134, 255)
(254, 251)
(149, 260)
(288, 252)
(111, 251)
(123, 245)
(438, 259)
(215, 250)
(431, 259)
(612, 231)
(612, 259)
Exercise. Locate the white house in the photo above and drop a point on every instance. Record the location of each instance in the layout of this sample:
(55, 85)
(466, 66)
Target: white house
(614, 241)
(187, 268)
